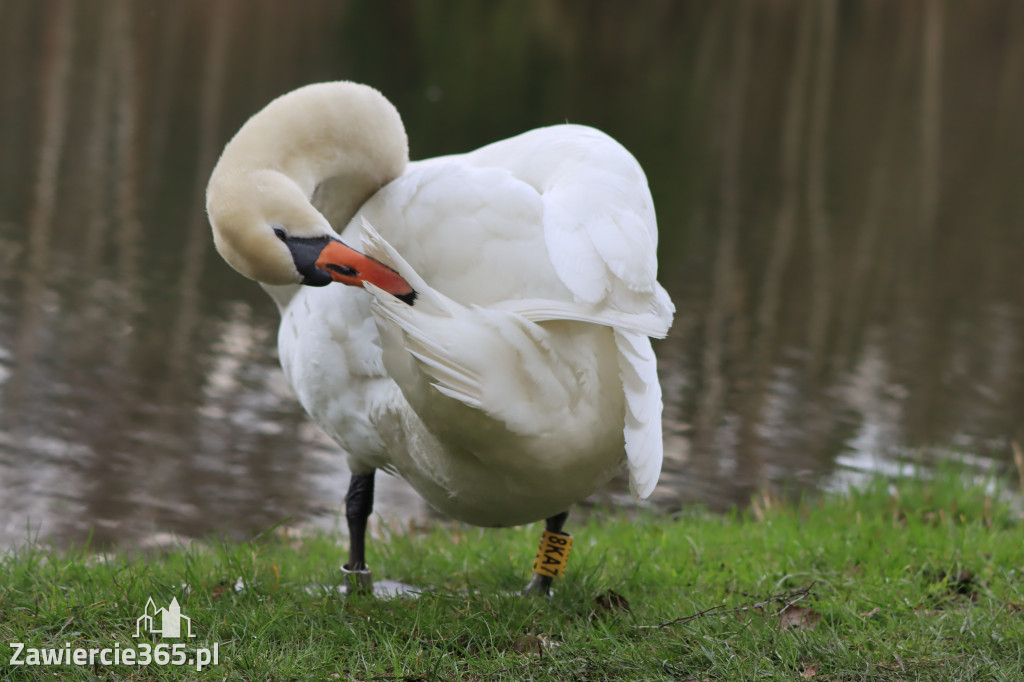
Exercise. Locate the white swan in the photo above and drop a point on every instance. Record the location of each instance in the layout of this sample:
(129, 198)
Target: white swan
(497, 355)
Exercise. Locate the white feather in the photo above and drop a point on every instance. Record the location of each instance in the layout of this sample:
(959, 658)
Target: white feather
(642, 430)
(522, 378)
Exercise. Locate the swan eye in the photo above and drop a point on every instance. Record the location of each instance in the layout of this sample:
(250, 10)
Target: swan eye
(280, 234)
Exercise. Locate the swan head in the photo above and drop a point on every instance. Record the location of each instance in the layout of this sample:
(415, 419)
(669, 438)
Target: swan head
(266, 229)
(259, 199)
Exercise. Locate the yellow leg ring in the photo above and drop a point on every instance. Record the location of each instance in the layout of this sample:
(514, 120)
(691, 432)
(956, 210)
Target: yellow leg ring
(553, 554)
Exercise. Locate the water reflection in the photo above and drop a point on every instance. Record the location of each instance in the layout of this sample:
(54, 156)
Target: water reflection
(837, 186)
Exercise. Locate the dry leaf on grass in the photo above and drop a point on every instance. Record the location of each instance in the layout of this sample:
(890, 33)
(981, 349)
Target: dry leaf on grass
(810, 671)
(532, 644)
(798, 618)
(609, 602)
(528, 644)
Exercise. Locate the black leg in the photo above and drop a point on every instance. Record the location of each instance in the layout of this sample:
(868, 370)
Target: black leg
(557, 522)
(358, 505)
(541, 584)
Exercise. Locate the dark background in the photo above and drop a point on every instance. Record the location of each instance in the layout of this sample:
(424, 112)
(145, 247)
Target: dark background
(838, 187)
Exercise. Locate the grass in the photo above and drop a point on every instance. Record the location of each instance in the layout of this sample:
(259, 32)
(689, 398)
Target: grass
(907, 581)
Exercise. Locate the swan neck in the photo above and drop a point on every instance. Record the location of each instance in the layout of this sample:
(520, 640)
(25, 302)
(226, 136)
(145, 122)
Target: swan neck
(337, 142)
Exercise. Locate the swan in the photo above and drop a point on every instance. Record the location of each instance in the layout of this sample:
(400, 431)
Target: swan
(493, 345)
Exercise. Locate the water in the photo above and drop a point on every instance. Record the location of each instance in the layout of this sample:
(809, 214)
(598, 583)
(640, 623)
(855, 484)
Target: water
(838, 191)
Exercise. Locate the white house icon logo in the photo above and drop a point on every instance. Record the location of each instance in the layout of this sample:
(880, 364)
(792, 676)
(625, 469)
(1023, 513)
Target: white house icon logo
(165, 622)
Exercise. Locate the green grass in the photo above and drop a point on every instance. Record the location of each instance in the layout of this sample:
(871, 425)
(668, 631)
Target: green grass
(923, 584)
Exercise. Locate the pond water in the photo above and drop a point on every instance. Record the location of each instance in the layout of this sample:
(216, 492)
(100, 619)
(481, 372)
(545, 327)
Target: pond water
(839, 196)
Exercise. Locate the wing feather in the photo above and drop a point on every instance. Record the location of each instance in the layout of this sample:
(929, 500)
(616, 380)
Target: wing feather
(595, 212)
(639, 371)
(598, 215)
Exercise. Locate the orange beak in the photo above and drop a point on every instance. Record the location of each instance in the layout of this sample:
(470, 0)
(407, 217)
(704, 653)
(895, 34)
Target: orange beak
(348, 266)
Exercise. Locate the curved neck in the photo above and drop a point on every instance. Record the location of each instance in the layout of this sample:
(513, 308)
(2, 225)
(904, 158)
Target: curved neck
(305, 164)
(343, 138)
